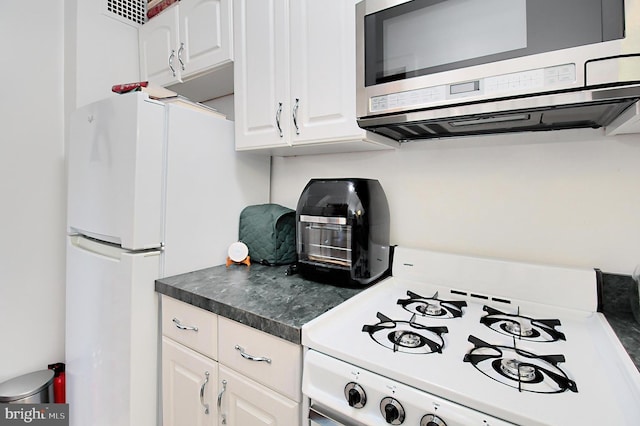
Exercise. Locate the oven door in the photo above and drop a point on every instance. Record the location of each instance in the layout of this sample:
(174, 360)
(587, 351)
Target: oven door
(322, 416)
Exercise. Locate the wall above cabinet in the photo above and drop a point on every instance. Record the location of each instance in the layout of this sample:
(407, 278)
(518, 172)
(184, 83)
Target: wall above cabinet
(189, 48)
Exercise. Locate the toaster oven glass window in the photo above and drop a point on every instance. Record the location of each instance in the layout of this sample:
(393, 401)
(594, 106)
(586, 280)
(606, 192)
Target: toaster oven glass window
(423, 37)
(326, 241)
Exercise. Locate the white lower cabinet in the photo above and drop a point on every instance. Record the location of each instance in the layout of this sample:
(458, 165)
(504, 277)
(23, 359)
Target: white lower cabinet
(246, 402)
(216, 371)
(189, 386)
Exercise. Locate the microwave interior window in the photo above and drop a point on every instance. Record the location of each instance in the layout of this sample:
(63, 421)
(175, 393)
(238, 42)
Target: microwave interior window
(423, 37)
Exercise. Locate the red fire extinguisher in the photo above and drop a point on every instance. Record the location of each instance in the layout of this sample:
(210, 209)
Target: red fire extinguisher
(58, 382)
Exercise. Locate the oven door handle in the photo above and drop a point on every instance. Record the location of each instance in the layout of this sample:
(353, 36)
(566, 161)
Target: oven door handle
(320, 418)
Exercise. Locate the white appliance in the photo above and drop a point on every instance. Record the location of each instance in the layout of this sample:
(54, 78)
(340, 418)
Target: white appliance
(452, 340)
(429, 69)
(154, 190)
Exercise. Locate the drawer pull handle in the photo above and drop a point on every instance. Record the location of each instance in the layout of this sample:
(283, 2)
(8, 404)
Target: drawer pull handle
(251, 357)
(176, 321)
(206, 380)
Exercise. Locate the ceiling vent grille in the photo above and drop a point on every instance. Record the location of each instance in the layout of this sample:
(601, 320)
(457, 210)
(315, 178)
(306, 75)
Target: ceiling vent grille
(132, 12)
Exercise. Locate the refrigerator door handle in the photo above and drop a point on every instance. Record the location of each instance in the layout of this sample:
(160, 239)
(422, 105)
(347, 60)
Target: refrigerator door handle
(176, 321)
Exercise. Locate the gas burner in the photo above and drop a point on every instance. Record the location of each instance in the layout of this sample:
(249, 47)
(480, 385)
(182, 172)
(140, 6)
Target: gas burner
(406, 336)
(518, 368)
(525, 328)
(432, 306)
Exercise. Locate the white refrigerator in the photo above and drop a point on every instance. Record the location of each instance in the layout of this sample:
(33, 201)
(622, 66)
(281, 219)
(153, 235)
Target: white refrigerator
(154, 190)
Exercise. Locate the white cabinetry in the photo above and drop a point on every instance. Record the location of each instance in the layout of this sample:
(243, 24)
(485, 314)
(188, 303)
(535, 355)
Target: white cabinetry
(185, 375)
(262, 374)
(246, 402)
(294, 77)
(188, 39)
(189, 378)
(255, 381)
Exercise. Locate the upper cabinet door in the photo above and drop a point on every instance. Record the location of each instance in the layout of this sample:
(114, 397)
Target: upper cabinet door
(323, 71)
(158, 42)
(186, 40)
(261, 73)
(205, 35)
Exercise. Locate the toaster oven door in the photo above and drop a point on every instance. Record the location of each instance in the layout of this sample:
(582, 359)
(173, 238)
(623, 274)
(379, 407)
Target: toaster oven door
(324, 240)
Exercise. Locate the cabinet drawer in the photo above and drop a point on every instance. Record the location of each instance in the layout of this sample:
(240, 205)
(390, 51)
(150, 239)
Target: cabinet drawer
(240, 343)
(191, 326)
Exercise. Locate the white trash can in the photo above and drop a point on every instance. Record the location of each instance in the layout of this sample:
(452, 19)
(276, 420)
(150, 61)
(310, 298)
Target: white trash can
(32, 388)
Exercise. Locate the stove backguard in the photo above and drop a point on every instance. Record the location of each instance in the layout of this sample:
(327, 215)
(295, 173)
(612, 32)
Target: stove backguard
(343, 231)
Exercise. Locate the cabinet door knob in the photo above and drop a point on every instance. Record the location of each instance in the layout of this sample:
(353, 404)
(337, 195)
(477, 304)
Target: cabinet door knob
(206, 380)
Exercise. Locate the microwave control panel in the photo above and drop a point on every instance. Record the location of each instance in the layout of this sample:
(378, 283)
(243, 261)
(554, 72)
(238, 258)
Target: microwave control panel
(531, 80)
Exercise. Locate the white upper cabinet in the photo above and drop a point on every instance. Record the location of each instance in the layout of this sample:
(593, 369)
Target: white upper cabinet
(294, 77)
(187, 39)
(261, 73)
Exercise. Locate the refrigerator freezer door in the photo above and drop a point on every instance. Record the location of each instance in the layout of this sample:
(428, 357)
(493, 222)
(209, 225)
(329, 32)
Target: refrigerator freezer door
(112, 334)
(115, 174)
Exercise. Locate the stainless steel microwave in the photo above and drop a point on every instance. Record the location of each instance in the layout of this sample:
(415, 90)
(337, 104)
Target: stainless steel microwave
(436, 68)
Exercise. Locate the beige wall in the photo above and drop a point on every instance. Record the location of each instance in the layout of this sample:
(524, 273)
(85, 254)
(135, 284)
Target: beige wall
(570, 197)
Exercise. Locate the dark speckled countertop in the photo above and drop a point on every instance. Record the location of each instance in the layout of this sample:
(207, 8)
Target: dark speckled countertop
(616, 305)
(262, 297)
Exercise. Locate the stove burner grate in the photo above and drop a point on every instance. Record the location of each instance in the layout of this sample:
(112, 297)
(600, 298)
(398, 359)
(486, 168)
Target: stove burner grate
(406, 336)
(522, 327)
(432, 306)
(520, 369)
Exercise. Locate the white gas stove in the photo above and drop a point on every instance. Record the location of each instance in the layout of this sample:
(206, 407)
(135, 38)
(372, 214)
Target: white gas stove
(455, 340)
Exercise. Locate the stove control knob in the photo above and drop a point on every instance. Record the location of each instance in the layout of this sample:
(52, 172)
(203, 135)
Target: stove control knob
(392, 411)
(355, 395)
(432, 420)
